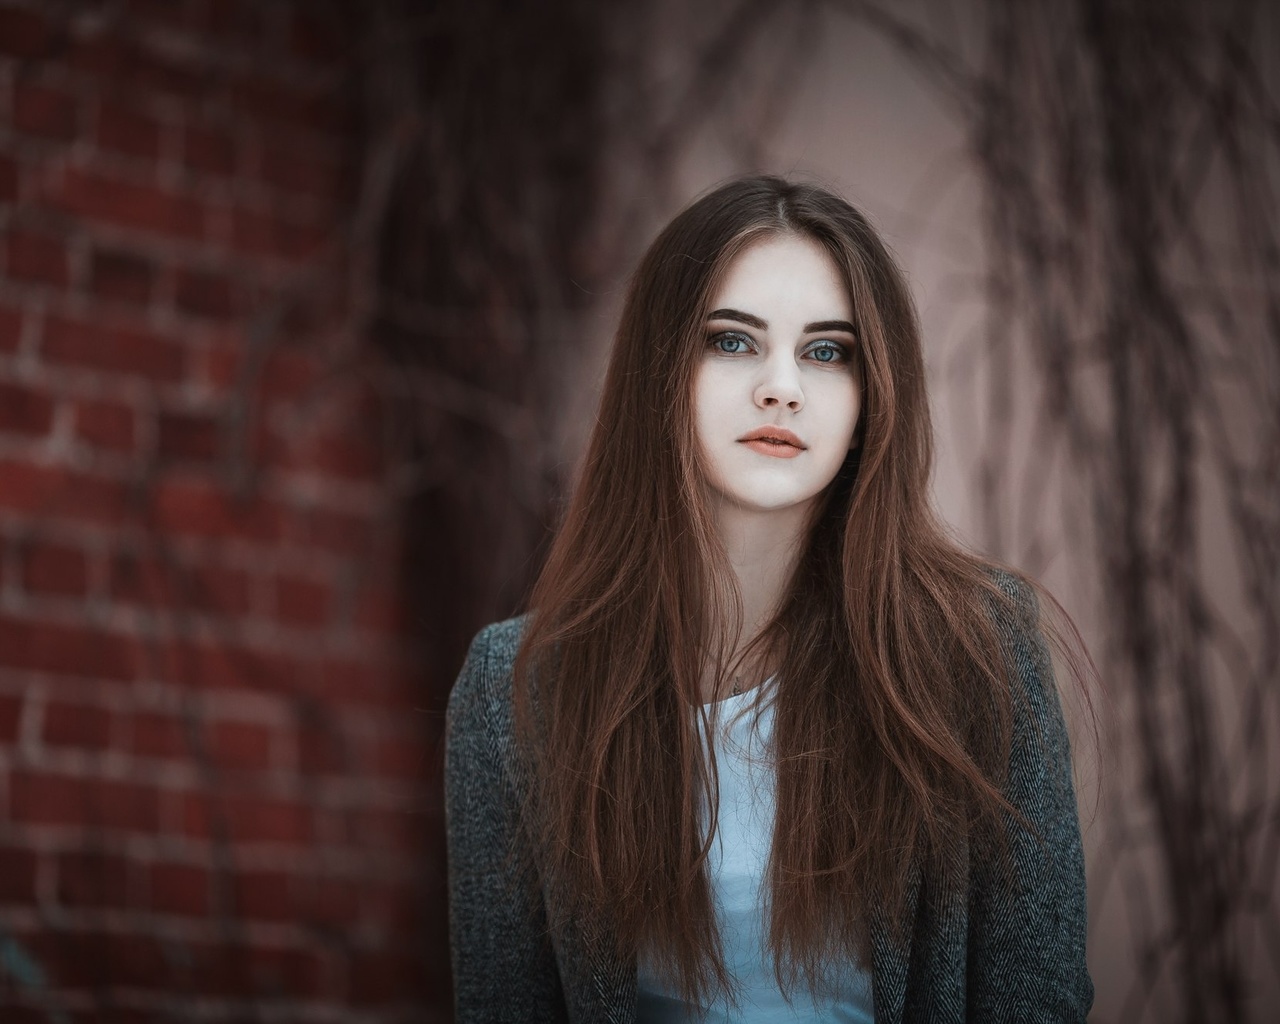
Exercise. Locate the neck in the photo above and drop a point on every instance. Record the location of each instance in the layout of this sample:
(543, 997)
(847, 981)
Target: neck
(762, 549)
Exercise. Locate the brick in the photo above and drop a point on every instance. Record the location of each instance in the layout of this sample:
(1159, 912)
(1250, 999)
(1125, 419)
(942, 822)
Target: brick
(264, 896)
(294, 172)
(248, 971)
(24, 410)
(101, 962)
(115, 349)
(401, 758)
(199, 508)
(122, 276)
(286, 375)
(225, 665)
(268, 99)
(145, 207)
(106, 1014)
(123, 129)
(322, 751)
(210, 970)
(146, 580)
(59, 492)
(328, 901)
(302, 602)
(338, 532)
(72, 650)
(107, 425)
(235, 18)
(371, 681)
(49, 568)
(387, 830)
(44, 112)
(8, 179)
(200, 665)
(222, 363)
(180, 889)
(380, 610)
(219, 590)
(127, 64)
(152, 734)
(240, 746)
(126, 805)
(209, 150)
(160, 12)
(247, 819)
(24, 33)
(94, 879)
(344, 455)
(85, 726)
(383, 976)
(206, 294)
(302, 321)
(35, 1012)
(267, 235)
(10, 717)
(17, 871)
(189, 437)
(137, 961)
(51, 799)
(300, 973)
(389, 906)
(314, 37)
(35, 256)
(141, 579)
(10, 328)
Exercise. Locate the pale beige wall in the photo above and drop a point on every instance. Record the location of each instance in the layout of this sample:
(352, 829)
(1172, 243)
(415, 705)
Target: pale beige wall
(856, 114)
(858, 117)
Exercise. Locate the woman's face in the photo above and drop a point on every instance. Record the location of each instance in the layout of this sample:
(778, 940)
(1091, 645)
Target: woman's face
(777, 394)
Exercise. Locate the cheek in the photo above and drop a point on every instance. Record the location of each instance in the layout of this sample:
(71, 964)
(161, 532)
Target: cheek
(843, 405)
(709, 400)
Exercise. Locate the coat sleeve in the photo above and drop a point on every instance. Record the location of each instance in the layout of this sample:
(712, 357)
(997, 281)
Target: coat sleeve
(504, 967)
(1027, 919)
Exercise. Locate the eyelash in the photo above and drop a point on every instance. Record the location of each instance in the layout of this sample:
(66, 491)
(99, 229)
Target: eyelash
(842, 355)
(723, 336)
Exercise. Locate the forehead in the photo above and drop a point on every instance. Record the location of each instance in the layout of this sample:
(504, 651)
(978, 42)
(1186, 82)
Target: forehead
(784, 274)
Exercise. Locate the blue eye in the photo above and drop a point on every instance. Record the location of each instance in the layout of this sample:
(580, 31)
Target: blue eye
(731, 344)
(829, 352)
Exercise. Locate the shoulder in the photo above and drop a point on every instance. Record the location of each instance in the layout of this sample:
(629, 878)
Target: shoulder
(481, 697)
(495, 647)
(1017, 608)
(1027, 930)
(1015, 612)
(1041, 748)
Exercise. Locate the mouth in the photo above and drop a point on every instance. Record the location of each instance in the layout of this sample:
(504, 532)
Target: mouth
(773, 441)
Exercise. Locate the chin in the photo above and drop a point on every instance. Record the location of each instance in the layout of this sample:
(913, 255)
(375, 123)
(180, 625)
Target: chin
(765, 504)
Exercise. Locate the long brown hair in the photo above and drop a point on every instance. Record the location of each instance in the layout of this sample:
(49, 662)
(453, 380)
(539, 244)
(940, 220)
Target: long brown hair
(892, 702)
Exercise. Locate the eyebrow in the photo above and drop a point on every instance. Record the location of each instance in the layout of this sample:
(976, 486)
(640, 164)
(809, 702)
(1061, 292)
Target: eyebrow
(762, 325)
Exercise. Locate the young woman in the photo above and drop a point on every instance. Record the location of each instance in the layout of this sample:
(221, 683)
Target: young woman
(769, 746)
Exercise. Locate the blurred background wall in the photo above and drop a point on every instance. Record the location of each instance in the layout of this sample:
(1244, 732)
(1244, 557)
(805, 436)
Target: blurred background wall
(214, 738)
(303, 310)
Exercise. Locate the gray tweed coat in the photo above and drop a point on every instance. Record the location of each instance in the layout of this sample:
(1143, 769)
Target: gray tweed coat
(992, 952)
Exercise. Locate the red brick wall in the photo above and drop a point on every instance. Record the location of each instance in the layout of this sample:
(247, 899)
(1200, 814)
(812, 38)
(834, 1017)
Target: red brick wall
(212, 758)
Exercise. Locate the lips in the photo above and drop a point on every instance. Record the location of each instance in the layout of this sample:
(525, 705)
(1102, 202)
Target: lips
(773, 441)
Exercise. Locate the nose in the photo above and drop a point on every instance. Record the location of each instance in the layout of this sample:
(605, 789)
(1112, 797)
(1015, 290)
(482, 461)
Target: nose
(779, 384)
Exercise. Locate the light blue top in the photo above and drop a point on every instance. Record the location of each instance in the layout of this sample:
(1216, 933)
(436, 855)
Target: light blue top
(738, 861)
